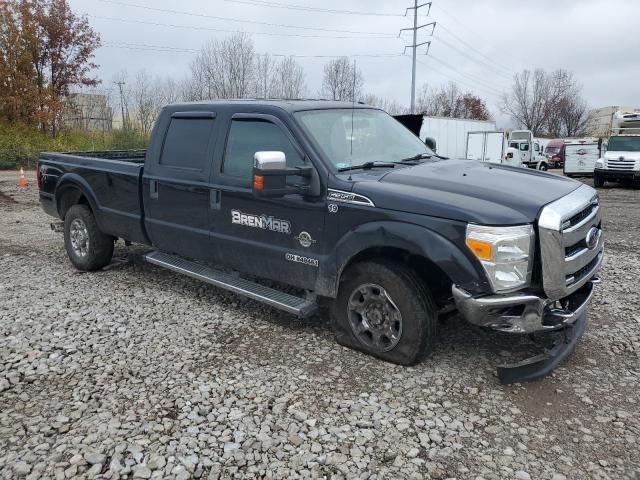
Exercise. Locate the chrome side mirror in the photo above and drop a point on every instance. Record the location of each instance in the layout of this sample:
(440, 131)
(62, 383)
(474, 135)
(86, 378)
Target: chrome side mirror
(270, 160)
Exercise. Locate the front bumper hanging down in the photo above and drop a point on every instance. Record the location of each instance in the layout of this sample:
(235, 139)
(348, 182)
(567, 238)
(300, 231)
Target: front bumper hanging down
(565, 320)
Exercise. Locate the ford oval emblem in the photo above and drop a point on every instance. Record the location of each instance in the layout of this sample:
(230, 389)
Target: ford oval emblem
(592, 238)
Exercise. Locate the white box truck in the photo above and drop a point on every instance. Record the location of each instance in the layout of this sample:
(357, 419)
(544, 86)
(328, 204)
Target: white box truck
(487, 146)
(580, 156)
(450, 134)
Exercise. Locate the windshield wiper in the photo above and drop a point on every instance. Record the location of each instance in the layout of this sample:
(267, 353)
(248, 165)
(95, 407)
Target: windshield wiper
(415, 158)
(368, 165)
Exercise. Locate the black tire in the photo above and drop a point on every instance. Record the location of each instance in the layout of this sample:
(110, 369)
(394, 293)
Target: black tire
(411, 297)
(598, 181)
(543, 167)
(98, 246)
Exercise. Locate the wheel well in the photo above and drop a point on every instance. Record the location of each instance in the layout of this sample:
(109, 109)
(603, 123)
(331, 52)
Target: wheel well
(438, 281)
(68, 197)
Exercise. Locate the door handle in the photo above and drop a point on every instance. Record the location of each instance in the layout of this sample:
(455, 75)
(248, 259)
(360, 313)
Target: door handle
(215, 199)
(153, 189)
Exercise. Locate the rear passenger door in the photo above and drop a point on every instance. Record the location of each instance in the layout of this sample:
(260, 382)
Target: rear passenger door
(277, 238)
(176, 186)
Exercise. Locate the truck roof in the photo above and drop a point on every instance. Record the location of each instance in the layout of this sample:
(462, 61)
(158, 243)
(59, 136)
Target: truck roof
(288, 105)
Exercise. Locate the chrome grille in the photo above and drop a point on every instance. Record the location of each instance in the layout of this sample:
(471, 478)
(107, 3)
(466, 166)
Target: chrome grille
(571, 242)
(621, 164)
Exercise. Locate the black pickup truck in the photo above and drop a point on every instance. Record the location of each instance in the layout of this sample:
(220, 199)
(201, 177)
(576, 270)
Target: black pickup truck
(345, 204)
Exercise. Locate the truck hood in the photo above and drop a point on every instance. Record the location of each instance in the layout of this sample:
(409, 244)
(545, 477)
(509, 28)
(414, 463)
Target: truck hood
(626, 155)
(468, 191)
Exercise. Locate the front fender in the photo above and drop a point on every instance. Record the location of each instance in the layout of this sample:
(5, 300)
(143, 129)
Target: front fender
(415, 239)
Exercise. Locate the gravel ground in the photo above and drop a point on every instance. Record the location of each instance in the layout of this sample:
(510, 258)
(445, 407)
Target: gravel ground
(136, 372)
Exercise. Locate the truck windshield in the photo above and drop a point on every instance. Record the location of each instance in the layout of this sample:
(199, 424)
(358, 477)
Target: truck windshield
(624, 144)
(375, 137)
(552, 150)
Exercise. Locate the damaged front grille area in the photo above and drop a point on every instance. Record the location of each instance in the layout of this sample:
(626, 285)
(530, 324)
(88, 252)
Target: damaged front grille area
(571, 242)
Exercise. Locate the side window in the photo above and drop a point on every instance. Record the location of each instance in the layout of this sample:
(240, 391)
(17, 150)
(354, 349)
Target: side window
(536, 147)
(246, 137)
(186, 143)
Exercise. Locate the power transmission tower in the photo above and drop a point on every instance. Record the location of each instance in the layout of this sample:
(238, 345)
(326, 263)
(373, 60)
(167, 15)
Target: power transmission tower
(124, 120)
(414, 45)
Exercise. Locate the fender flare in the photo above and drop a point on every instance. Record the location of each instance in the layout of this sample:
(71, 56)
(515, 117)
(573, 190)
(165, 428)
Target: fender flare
(415, 239)
(73, 180)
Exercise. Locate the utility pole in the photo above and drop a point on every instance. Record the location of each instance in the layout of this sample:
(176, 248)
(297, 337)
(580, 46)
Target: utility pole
(414, 45)
(124, 120)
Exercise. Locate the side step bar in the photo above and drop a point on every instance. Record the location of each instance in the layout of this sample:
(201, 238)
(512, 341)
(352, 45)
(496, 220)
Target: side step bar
(283, 301)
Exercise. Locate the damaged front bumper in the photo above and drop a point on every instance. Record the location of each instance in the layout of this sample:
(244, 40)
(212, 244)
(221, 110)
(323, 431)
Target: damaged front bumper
(521, 312)
(530, 314)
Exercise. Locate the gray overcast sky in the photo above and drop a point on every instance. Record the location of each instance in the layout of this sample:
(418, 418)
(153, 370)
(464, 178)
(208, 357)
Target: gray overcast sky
(478, 44)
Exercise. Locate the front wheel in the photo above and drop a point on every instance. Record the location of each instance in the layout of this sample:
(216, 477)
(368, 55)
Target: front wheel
(384, 309)
(87, 247)
(543, 167)
(598, 181)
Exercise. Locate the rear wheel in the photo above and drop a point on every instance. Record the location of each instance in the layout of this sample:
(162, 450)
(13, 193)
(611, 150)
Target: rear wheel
(87, 247)
(384, 309)
(598, 181)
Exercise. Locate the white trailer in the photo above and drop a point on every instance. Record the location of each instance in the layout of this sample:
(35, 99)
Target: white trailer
(580, 156)
(450, 134)
(486, 146)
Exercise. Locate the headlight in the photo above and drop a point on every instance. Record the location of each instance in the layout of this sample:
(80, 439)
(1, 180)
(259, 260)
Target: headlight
(599, 163)
(505, 254)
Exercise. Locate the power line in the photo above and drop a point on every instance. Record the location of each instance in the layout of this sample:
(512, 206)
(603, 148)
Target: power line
(305, 8)
(471, 47)
(471, 57)
(229, 19)
(163, 48)
(459, 72)
(211, 29)
(468, 84)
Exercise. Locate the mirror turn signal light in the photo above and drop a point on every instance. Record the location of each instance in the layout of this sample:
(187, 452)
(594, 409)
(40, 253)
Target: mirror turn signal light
(258, 182)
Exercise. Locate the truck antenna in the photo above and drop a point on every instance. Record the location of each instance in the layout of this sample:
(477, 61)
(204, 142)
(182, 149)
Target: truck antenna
(353, 108)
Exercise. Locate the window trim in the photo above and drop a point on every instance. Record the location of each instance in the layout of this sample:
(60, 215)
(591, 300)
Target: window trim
(204, 115)
(265, 117)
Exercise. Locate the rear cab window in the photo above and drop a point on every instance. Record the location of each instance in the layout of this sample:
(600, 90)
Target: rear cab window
(188, 141)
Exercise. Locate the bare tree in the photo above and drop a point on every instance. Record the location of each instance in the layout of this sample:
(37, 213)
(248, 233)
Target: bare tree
(145, 101)
(450, 101)
(342, 80)
(392, 107)
(573, 113)
(529, 100)
(265, 67)
(289, 79)
(225, 68)
(546, 103)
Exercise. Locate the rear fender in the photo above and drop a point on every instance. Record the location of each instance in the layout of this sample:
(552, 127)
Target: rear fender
(75, 181)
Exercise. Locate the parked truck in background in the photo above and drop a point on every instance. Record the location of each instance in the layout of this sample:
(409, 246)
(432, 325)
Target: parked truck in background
(554, 151)
(531, 149)
(450, 134)
(368, 221)
(489, 146)
(580, 156)
(620, 162)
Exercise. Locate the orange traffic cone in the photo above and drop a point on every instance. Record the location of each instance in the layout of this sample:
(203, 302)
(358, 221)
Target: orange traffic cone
(22, 182)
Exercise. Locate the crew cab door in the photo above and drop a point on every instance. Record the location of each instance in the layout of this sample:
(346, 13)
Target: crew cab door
(277, 238)
(176, 191)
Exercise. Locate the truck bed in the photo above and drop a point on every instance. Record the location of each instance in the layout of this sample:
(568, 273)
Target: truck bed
(133, 156)
(109, 180)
